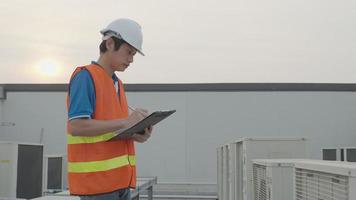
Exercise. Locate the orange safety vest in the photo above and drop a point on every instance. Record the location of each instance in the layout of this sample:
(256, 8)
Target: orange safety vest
(96, 165)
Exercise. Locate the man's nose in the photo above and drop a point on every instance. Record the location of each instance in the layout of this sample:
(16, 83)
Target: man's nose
(130, 59)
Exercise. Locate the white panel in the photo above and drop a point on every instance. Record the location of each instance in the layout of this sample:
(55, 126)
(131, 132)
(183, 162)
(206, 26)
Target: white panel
(352, 188)
(32, 111)
(240, 174)
(285, 189)
(233, 172)
(45, 174)
(8, 169)
(220, 172)
(226, 175)
(164, 155)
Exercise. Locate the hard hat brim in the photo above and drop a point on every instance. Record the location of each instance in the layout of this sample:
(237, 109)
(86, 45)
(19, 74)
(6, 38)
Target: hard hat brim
(109, 35)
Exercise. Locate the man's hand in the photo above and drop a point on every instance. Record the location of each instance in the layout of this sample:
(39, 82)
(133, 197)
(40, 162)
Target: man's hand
(141, 138)
(136, 115)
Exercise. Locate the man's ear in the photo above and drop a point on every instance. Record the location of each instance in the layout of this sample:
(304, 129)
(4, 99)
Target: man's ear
(110, 44)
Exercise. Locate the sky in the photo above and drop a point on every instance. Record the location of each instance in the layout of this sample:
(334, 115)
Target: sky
(185, 41)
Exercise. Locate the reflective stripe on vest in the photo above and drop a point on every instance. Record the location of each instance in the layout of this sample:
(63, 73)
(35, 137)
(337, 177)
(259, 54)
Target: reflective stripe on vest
(86, 139)
(103, 165)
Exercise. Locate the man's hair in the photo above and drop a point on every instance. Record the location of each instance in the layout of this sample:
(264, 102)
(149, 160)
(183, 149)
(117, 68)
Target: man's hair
(118, 42)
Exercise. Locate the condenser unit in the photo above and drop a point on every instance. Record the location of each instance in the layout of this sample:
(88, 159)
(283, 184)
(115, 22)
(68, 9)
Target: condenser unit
(332, 154)
(273, 179)
(223, 171)
(235, 180)
(325, 180)
(21, 170)
(2, 92)
(339, 154)
(54, 173)
(349, 154)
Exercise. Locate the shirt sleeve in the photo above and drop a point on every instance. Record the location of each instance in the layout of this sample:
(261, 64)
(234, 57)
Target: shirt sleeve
(81, 96)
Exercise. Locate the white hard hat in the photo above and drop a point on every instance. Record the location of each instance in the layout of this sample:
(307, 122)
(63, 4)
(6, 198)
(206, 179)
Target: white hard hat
(127, 30)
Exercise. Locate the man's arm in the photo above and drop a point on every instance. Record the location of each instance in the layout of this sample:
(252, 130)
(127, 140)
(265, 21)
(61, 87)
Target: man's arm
(93, 127)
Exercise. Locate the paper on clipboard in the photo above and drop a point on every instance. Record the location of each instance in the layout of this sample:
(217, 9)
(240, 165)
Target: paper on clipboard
(139, 127)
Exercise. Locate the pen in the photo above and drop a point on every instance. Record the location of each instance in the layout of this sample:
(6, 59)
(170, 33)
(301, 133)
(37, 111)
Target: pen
(133, 109)
(130, 107)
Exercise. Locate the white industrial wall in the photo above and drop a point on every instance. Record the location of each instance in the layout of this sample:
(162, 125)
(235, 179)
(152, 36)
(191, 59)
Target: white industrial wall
(183, 147)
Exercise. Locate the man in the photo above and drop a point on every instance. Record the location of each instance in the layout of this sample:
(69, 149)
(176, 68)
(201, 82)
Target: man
(100, 168)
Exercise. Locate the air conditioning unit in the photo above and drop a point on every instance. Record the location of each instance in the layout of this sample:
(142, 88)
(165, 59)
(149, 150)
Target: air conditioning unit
(235, 180)
(54, 173)
(331, 154)
(339, 154)
(349, 154)
(325, 180)
(223, 171)
(273, 179)
(21, 170)
(2, 92)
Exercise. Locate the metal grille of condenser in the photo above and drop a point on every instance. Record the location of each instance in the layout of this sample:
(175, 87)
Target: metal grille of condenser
(259, 182)
(315, 185)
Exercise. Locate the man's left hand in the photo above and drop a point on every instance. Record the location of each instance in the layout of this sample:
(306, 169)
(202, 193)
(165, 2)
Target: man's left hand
(143, 137)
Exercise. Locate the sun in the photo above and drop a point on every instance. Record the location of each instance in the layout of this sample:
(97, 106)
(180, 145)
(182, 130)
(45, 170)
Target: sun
(48, 67)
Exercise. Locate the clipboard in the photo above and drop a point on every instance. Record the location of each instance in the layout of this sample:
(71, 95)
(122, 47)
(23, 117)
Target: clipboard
(140, 126)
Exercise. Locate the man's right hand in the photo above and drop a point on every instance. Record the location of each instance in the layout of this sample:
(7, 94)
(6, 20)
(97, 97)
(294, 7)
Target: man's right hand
(136, 115)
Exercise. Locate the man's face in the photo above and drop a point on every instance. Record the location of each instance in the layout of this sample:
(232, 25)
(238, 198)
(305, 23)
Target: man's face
(122, 58)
